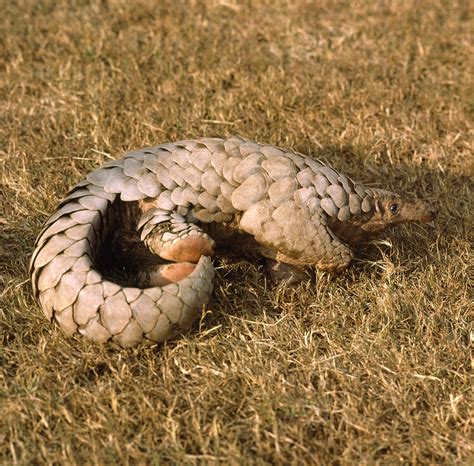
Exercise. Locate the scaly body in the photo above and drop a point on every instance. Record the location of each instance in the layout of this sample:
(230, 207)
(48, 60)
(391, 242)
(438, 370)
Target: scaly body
(159, 213)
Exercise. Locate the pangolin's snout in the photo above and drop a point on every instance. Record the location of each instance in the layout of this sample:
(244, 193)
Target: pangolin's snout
(428, 212)
(418, 211)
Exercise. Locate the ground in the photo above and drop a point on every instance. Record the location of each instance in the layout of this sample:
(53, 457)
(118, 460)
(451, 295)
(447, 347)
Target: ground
(369, 367)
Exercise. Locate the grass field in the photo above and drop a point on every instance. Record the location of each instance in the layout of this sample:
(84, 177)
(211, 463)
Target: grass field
(369, 367)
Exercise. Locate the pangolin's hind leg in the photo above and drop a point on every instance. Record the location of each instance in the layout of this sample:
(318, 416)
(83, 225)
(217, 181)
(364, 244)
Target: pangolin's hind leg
(169, 236)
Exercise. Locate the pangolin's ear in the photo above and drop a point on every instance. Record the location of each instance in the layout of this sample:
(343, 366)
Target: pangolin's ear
(379, 207)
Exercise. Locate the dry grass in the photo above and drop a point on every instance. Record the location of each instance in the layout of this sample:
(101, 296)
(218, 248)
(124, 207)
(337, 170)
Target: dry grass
(370, 367)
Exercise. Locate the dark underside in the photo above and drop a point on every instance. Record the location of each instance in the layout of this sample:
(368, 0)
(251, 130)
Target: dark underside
(122, 256)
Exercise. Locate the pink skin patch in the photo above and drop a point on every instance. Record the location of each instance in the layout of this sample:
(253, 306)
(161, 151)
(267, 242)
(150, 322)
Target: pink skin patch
(170, 273)
(188, 249)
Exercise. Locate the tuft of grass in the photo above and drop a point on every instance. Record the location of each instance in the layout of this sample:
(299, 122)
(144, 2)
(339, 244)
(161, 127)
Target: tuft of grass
(369, 367)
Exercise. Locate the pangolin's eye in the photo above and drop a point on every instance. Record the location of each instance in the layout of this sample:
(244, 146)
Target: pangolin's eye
(394, 208)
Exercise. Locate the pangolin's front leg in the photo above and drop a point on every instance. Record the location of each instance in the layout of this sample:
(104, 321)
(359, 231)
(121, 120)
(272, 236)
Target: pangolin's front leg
(336, 256)
(298, 237)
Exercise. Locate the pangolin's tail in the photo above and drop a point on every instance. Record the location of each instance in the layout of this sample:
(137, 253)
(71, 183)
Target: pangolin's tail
(72, 291)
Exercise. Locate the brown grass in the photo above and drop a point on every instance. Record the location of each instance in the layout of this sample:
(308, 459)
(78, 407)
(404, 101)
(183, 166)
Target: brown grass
(370, 367)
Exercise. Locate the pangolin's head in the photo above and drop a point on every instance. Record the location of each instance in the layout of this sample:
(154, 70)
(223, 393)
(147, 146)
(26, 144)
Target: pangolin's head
(391, 209)
(387, 209)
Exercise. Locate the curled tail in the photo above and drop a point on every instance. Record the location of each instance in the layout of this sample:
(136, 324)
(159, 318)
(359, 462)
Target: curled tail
(74, 293)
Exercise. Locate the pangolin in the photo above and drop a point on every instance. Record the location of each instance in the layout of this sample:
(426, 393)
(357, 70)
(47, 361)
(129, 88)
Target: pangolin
(127, 255)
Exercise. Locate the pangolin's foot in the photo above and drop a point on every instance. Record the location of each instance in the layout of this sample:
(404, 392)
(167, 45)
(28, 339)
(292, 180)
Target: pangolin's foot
(332, 266)
(164, 274)
(285, 274)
